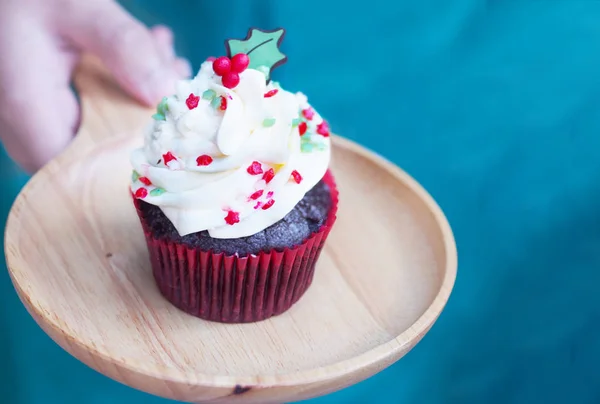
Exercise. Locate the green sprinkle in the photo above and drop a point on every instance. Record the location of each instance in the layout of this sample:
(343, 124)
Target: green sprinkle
(161, 110)
(216, 102)
(268, 122)
(208, 95)
(157, 192)
(306, 147)
(134, 176)
(296, 122)
(159, 117)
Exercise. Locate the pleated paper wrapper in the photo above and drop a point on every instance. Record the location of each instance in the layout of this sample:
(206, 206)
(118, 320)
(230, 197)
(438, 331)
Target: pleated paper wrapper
(236, 289)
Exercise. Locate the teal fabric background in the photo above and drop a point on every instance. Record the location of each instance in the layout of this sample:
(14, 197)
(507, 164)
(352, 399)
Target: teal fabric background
(493, 107)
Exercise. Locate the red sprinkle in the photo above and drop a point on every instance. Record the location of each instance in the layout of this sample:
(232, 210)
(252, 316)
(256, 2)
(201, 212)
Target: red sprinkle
(204, 160)
(268, 176)
(323, 129)
(269, 203)
(232, 217)
(256, 195)
(302, 128)
(192, 101)
(231, 79)
(223, 105)
(168, 157)
(239, 62)
(297, 177)
(255, 168)
(271, 93)
(141, 193)
(308, 113)
(145, 180)
(221, 65)
(269, 194)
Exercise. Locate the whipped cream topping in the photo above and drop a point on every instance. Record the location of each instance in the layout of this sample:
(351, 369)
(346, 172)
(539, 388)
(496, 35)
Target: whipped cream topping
(230, 161)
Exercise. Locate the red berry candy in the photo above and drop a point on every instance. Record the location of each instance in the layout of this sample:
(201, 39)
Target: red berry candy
(268, 176)
(257, 194)
(231, 79)
(232, 217)
(222, 65)
(239, 62)
(297, 177)
(302, 128)
(269, 203)
(255, 168)
(192, 101)
(204, 160)
(141, 193)
(145, 180)
(223, 105)
(271, 93)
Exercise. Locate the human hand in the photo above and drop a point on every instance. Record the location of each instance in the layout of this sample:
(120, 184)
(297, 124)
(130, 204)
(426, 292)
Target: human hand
(40, 44)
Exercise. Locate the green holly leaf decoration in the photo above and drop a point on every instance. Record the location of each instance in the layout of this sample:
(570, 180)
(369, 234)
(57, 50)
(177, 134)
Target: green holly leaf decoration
(262, 47)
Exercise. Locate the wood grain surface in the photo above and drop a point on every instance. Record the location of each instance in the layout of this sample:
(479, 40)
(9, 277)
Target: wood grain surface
(77, 258)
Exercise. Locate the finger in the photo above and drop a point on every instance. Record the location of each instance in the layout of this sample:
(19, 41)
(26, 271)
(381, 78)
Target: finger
(183, 67)
(126, 46)
(164, 38)
(39, 112)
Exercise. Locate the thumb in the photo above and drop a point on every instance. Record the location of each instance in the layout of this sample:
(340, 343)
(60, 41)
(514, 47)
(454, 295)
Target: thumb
(129, 49)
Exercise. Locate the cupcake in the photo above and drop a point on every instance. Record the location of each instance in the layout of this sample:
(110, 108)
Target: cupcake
(232, 187)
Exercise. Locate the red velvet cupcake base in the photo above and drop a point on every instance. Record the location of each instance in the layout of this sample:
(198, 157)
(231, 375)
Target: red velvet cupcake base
(233, 289)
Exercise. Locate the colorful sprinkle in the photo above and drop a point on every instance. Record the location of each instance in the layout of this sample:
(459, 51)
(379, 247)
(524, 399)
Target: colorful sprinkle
(308, 113)
(256, 195)
(223, 105)
(157, 192)
(268, 204)
(258, 205)
(269, 194)
(306, 147)
(296, 122)
(268, 176)
(168, 157)
(161, 110)
(297, 177)
(209, 95)
(216, 102)
(302, 128)
(323, 129)
(255, 168)
(204, 160)
(268, 122)
(192, 101)
(134, 176)
(231, 80)
(141, 193)
(271, 93)
(145, 180)
(222, 65)
(239, 62)
(232, 217)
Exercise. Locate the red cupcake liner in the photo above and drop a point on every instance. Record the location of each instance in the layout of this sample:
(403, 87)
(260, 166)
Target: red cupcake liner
(236, 289)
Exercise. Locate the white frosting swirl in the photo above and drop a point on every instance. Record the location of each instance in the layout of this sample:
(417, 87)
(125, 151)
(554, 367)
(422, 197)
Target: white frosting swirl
(195, 162)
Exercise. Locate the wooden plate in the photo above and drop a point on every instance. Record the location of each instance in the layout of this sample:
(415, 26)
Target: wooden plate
(77, 258)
